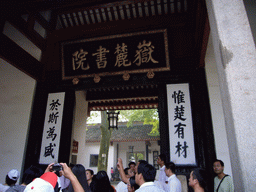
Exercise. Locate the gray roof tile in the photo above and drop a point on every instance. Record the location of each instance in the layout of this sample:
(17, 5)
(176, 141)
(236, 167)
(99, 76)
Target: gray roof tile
(124, 133)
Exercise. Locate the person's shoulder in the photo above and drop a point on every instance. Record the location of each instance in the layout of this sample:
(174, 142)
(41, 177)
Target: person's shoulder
(16, 188)
(216, 178)
(158, 189)
(155, 188)
(178, 181)
(120, 185)
(175, 176)
(229, 178)
(4, 187)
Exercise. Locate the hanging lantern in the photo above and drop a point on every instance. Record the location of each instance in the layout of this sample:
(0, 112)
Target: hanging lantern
(131, 149)
(113, 119)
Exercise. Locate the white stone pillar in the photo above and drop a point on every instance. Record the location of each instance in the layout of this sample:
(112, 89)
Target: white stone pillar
(79, 128)
(236, 62)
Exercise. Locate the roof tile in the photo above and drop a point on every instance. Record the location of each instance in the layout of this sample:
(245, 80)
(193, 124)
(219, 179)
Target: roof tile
(123, 134)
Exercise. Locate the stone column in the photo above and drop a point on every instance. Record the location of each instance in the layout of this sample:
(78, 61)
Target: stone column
(235, 55)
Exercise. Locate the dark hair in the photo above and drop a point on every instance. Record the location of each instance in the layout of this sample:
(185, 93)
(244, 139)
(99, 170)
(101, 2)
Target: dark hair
(79, 172)
(91, 171)
(131, 163)
(9, 181)
(221, 162)
(162, 157)
(126, 170)
(92, 184)
(201, 176)
(102, 182)
(148, 172)
(170, 166)
(31, 173)
(71, 165)
(143, 162)
(133, 183)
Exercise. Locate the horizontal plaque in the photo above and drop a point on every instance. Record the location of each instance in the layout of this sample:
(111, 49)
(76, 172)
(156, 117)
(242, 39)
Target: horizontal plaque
(138, 52)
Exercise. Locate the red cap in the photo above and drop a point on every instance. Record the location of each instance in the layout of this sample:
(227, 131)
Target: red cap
(50, 177)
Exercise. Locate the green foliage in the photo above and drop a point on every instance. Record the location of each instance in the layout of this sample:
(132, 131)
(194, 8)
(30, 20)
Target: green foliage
(155, 128)
(93, 115)
(140, 156)
(147, 116)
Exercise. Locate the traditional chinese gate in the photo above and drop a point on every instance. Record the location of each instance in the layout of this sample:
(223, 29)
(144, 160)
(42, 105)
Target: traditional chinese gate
(175, 129)
(130, 62)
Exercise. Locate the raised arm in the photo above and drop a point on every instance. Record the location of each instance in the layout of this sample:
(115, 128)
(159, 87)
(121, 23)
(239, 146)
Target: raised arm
(67, 172)
(120, 168)
(49, 168)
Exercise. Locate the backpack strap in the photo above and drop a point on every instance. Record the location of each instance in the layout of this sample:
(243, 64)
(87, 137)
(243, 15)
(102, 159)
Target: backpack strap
(221, 182)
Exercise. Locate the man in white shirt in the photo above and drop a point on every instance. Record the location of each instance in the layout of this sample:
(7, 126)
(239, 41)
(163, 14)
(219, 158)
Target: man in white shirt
(174, 184)
(162, 179)
(145, 177)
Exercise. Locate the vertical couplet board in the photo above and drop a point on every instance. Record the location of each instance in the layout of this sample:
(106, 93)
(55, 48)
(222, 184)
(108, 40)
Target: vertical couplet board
(52, 128)
(181, 136)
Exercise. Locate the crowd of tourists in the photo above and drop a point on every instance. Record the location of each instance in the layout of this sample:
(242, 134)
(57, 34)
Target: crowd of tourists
(138, 177)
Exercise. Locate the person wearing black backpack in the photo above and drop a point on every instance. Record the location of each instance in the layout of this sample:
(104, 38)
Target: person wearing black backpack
(222, 182)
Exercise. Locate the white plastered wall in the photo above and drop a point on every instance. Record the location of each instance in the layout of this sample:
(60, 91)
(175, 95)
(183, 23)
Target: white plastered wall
(93, 149)
(16, 98)
(79, 127)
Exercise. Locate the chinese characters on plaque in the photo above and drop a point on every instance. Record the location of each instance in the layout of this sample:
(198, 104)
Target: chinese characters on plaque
(181, 136)
(116, 54)
(52, 128)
